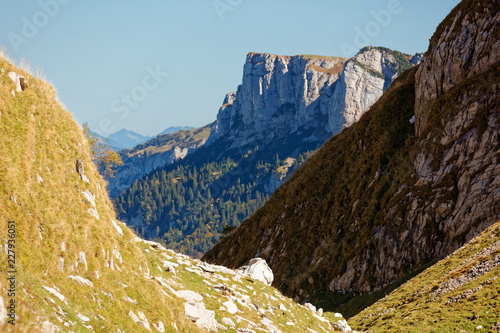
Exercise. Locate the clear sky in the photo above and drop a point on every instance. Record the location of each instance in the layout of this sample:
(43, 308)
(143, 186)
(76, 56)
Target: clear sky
(148, 65)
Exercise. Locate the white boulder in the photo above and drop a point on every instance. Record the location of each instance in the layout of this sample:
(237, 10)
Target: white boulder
(258, 269)
(200, 316)
(19, 80)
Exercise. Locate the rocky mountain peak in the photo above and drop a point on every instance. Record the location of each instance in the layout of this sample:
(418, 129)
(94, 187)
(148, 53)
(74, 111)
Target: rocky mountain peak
(285, 94)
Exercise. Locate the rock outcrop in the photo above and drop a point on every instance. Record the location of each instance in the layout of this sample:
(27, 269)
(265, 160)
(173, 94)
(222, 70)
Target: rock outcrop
(258, 269)
(19, 80)
(280, 95)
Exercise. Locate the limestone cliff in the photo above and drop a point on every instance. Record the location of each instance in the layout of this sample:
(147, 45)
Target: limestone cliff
(389, 194)
(280, 95)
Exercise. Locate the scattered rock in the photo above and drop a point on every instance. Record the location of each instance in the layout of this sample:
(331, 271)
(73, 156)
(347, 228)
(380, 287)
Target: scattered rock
(170, 266)
(117, 227)
(82, 260)
(190, 296)
(90, 197)
(14, 198)
(94, 213)
(136, 319)
(320, 312)
(39, 179)
(82, 317)
(245, 330)
(215, 268)
(79, 167)
(85, 179)
(159, 327)
(310, 307)
(341, 325)
(271, 328)
(202, 317)
(55, 293)
(228, 322)
(82, 281)
(130, 300)
(61, 264)
(258, 269)
(221, 327)
(231, 307)
(496, 327)
(19, 80)
(144, 320)
(48, 327)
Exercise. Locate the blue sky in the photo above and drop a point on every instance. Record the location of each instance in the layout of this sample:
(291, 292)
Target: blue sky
(148, 65)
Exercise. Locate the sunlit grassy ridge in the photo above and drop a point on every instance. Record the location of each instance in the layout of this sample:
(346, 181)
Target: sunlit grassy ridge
(58, 240)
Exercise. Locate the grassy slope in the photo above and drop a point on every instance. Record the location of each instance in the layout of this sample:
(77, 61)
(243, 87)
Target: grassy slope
(414, 308)
(39, 138)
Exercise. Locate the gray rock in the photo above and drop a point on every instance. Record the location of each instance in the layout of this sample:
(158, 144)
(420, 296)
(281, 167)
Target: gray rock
(228, 322)
(341, 325)
(258, 269)
(48, 327)
(19, 80)
(189, 295)
(79, 167)
(61, 264)
(160, 327)
(202, 317)
(310, 307)
(55, 293)
(138, 320)
(271, 327)
(245, 330)
(82, 281)
(230, 307)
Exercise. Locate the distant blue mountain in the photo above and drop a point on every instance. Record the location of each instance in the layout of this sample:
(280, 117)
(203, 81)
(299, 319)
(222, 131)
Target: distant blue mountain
(127, 139)
(173, 129)
(114, 145)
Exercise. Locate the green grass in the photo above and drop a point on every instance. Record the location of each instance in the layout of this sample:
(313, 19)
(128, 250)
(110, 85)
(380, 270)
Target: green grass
(416, 310)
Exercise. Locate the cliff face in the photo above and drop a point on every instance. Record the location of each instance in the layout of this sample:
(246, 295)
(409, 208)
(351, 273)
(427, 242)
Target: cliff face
(467, 45)
(280, 95)
(386, 196)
